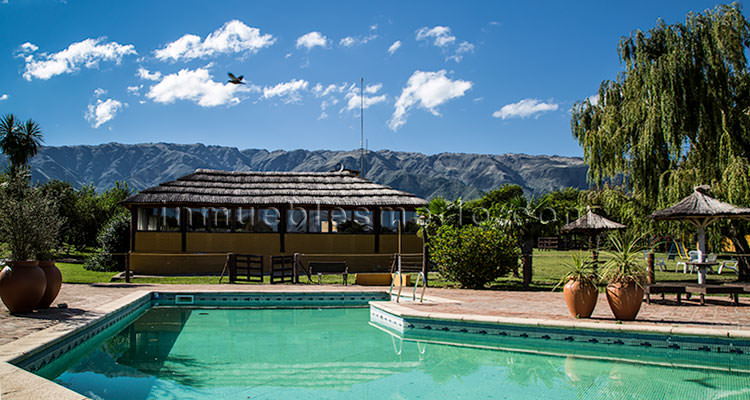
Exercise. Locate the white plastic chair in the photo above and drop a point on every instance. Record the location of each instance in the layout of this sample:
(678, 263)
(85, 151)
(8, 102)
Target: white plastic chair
(726, 264)
(693, 256)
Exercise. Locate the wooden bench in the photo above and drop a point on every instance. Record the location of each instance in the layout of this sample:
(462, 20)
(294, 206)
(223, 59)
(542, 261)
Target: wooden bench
(665, 288)
(702, 290)
(282, 269)
(321, 268)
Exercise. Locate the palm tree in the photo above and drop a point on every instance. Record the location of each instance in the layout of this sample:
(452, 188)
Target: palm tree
(19, 141)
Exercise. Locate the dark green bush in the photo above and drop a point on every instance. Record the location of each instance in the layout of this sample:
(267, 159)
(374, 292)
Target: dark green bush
(113, 238)
(474, 255)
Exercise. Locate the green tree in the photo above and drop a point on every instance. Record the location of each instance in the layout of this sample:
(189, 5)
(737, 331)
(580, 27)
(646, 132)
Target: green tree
(678, 115)
(19, 141)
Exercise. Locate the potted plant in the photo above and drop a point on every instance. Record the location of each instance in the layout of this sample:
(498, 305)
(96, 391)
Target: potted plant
(22, 282)
(29, 224)
(580, 289)
(626, 277)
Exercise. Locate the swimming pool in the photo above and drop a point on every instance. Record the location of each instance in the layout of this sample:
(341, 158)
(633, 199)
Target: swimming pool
(337, 353)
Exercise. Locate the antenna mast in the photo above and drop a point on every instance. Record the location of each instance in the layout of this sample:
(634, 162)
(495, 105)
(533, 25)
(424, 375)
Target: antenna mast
(362, 127)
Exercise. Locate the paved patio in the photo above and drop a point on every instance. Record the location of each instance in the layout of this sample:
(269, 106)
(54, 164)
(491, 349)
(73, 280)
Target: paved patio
(718, 313)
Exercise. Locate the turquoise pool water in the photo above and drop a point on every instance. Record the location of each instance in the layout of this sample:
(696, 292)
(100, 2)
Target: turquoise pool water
(180, 353)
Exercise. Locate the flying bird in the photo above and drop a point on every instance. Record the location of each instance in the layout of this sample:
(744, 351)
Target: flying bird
(237, 80)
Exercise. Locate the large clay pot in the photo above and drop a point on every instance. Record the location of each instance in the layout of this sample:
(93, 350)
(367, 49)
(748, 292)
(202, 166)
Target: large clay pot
(581, 299)
(22, 285)
(54, 282)
(624, 299)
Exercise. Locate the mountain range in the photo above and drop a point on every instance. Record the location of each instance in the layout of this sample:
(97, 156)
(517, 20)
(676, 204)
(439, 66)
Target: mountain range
(450, 175)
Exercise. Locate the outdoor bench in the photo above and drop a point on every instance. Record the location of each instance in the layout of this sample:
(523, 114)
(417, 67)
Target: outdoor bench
(321, 268)
(665, 288)
(702, 290)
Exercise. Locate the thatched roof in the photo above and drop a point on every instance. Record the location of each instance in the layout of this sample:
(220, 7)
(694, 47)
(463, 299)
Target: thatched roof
(214, 188)
(700, 205)
(591, 223)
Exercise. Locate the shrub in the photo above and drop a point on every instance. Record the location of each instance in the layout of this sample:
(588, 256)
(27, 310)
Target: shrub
(474, 255)
(113, 238)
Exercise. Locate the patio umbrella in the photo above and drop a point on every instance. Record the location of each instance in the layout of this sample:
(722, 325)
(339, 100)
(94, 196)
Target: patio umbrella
(591, 224)
(700, 209)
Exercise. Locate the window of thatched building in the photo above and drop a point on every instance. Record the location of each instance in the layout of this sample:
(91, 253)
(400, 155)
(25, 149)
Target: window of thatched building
(348, 221)
(198, 219)
(218, 220)
(296, 220)
(318, 221)
(170, 219)
(148, 219)
(268, 220)
(245, 219)
(389, 221)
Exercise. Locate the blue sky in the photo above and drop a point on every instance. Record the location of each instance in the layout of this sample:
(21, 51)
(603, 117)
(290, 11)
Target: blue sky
(475, 77)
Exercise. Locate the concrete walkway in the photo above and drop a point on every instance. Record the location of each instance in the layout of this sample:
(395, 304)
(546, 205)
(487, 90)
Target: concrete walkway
(718, 313)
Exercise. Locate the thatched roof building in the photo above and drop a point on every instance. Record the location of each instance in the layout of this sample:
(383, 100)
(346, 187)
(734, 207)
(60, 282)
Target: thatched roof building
(591, 223)
(700, 205)
(215, 188)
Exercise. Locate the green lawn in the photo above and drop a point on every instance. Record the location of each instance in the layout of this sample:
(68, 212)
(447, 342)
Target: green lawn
(548, 268)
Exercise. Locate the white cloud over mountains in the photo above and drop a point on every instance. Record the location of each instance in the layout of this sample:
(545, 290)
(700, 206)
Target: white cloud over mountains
(427, 90)
(197, 86)
(143, 73)
(86, 53)
(102, 111)
(355, 99)
(233, 37)
(312, 39)
(524, 109)
(351, 41)
(4, 96)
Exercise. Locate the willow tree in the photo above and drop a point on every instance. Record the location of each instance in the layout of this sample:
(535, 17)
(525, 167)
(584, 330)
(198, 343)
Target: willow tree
(677, 115)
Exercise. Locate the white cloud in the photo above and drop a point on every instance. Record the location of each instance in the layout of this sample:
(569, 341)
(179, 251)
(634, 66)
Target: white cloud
(354, 99)
(135, 90)
(395, 46)
(441, 35)
(594, 99)
(321, 91)
(464, 47)
(29, 47)
(233, 37)
(98, 92)
(86, 53)
(312, 39)
(427, 90)
(143, 73)
(197, 86)
(289, 91)
(347, 41)
(103, 111)
(4, 97)
(524, 109)
(351, 41)
(373, 27)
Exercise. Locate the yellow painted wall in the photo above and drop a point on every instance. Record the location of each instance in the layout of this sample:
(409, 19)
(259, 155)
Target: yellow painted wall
(141, 262)
(158, 242)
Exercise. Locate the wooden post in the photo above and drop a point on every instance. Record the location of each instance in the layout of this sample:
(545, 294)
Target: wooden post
(376, 215)
(282, 228)
(650, 267)
(127, 267)
(232, 266)
(183, 227)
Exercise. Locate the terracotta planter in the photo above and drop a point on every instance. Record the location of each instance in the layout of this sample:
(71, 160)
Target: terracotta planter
(624, 299)
(22, 285)
(581, 299)
(54, 282)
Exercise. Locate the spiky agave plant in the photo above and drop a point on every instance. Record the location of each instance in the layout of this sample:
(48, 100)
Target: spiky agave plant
(625, 263)
(580, 269)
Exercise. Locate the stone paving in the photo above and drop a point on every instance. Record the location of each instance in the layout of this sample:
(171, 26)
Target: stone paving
(718, 312)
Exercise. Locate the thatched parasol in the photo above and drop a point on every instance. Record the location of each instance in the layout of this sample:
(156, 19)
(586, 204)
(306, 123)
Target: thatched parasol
(700, 209)
(591, 224)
